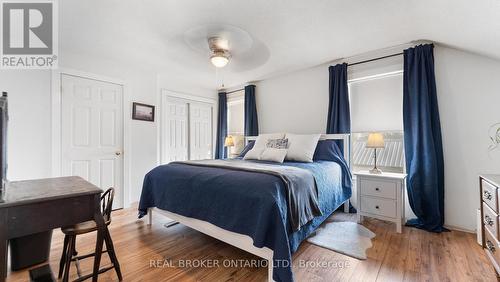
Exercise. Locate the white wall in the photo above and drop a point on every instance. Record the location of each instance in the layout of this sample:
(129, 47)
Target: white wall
(29, 136)
(469, 103)
(295, 103)
(469, 99)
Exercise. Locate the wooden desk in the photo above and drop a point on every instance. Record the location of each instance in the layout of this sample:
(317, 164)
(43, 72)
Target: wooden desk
(34, 206)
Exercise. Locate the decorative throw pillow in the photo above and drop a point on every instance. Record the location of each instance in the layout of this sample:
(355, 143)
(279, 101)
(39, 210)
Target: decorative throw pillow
(254, 154)
(301, 147)
(261, 140)
(273, 155)
(247, 148)
(277, 143)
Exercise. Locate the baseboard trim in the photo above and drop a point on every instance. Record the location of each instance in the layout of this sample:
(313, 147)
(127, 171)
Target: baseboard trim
(456, 228)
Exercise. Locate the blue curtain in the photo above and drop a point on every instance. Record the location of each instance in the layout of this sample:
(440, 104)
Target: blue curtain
(220, 150)
(339, 116)
(251, 122)
(422, 138)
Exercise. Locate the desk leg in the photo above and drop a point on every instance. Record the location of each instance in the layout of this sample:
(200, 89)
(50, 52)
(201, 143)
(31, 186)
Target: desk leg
(100, 236)
(3, 245)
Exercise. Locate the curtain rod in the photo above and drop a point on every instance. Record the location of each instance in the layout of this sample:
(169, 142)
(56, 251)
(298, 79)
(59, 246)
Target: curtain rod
(233, 91)
(375, 59)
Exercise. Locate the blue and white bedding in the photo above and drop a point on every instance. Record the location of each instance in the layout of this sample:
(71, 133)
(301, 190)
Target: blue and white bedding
(300, 185)
(247, 202)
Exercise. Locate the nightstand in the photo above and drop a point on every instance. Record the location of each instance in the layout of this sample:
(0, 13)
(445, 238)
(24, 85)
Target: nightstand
(381, 196)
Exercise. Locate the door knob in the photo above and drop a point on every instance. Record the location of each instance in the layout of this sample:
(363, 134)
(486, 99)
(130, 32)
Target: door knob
(118, 153)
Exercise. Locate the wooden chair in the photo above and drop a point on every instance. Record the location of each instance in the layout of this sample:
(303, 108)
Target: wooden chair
(70, 254)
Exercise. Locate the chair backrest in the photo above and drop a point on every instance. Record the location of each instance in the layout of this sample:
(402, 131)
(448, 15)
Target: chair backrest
(107, 204)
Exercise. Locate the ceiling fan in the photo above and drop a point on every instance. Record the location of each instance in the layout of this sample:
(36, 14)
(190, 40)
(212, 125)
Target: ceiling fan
(219, 49)
(224, 43)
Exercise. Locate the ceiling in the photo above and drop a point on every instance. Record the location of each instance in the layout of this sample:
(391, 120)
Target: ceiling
(287, 35)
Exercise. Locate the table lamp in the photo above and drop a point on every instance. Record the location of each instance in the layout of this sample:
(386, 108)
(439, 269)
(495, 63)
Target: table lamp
(229, 142)
(375, 141)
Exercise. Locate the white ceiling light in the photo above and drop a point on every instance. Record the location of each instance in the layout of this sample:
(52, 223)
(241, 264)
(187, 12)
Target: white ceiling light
(219, 48)
(219, 58)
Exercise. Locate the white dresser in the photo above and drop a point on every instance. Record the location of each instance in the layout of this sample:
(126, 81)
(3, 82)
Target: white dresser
(381, 196)
(489, 188)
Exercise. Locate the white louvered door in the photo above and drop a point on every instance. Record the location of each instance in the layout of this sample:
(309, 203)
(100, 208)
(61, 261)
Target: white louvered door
(92, 132)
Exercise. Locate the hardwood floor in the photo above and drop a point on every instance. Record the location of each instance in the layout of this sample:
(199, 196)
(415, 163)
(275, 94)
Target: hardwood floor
(414, 255)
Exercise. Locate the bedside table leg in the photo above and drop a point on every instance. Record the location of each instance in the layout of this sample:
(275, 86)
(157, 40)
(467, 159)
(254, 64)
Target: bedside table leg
(360, 218)
(398, 226)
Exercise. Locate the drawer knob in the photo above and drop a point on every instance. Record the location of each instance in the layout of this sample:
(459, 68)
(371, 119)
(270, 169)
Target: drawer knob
(488, 220)
(487, 195)
(377, 207)
(490, 246)
(377, 189)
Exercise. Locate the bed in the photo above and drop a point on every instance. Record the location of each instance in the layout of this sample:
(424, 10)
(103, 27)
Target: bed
(248, 208)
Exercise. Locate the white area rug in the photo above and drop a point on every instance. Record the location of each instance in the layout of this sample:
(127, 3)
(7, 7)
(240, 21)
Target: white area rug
(348, 238)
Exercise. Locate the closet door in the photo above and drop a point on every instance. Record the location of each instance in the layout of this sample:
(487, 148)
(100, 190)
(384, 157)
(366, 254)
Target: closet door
(200, 137)
(92, 132)
(175, 135)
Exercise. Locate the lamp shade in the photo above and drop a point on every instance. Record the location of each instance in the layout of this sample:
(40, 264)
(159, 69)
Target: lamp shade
(375, 140)
(229, 141)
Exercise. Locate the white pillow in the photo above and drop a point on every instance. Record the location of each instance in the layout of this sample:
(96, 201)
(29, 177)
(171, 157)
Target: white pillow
(254, 154)
(273, 155)
(301, 147)
(261, 140)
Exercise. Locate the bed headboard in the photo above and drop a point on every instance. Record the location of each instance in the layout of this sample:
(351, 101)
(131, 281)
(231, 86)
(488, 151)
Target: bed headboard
(344, 138)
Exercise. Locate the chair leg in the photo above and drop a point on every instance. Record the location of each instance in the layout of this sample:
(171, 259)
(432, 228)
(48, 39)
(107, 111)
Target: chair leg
(63, 257)
(75, 253)
(111, 252)
(98, 253)
(69, 253)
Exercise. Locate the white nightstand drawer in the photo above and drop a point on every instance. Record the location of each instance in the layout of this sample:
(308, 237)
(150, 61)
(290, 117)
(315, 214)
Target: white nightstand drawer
(378, 206)
(378, 188)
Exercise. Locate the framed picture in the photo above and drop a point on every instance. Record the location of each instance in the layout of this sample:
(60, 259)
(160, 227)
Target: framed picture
(143, 112)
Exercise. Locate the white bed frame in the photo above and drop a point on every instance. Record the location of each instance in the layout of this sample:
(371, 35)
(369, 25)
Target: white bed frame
(241, 241)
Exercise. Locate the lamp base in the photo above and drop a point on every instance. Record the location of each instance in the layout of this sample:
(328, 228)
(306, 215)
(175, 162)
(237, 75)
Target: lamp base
(375, 171)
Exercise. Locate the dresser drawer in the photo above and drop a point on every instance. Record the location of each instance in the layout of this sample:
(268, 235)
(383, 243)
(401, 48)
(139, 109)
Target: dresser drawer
(491, 246)
(489, 195)
(378, 206)
(378, 188)
(490, 220)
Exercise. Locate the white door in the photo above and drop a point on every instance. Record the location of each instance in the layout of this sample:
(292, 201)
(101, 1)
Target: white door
(92, 132)
(200, 128)
(175, 132)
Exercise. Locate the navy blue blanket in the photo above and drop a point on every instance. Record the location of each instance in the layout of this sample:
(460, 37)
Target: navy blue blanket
(300, 184)
(250, 203)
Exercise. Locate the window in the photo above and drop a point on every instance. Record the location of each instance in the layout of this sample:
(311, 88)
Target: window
(377, 106)
(236, 121)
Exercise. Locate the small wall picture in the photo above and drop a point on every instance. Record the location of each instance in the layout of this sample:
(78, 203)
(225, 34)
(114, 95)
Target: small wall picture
(143, 112)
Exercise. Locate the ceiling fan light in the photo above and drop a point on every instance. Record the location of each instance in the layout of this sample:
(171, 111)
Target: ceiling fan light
(219, 59)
